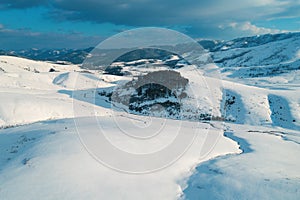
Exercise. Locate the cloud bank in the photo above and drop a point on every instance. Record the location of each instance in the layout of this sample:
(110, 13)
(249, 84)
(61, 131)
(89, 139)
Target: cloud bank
(197, 18)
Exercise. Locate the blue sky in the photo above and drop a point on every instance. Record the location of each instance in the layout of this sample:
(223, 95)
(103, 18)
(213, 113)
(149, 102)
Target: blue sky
(84, 23)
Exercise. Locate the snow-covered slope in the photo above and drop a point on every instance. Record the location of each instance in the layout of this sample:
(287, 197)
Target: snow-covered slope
(46, 160)
(250, 122)
(259, 56)
(30, 93)
(263, 171)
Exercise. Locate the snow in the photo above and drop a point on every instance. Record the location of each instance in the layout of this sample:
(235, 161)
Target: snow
(27, 96)
(263, 171)
(14, 64)
(252, 156)
(46, 159)
(52, 163)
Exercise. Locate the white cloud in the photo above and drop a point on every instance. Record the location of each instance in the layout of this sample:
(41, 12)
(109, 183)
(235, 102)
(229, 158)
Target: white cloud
(250, 28)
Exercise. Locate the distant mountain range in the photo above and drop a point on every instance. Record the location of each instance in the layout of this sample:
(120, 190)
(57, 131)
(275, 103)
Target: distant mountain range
(75, 56)
(246, 56)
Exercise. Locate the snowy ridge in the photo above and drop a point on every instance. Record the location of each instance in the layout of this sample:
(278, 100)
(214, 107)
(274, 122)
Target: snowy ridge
(266, 55)
(29, 92)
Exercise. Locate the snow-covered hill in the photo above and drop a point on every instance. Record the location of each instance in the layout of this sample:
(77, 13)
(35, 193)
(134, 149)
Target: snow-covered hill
(30, 90)
(246, 122)
(259, 56)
